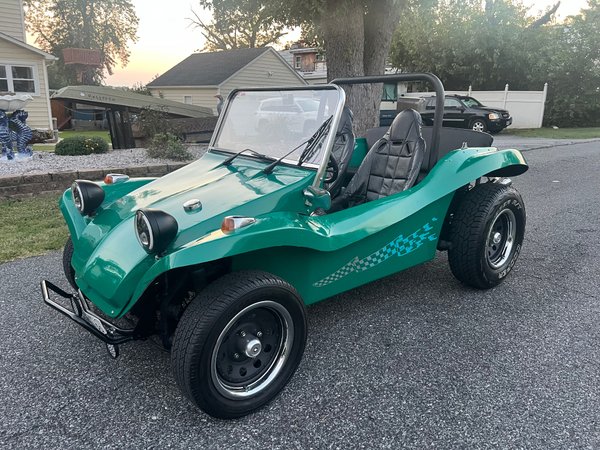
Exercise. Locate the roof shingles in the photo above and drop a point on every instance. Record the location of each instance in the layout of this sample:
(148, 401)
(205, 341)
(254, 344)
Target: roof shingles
(207, 69)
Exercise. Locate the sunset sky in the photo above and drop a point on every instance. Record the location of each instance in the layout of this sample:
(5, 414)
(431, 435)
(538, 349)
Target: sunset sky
(166, 38)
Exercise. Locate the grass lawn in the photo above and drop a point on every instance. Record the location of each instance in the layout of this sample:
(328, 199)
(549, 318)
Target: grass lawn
(30, 227)
(69, 133)
(551, 133)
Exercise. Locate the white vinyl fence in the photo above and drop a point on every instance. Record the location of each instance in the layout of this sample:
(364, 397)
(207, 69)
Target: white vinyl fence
(526, 107)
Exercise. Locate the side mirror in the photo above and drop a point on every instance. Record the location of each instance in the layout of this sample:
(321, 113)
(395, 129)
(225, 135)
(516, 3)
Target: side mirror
(317, 198)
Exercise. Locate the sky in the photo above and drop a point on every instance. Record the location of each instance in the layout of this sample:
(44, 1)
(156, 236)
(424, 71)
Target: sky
(165, 37)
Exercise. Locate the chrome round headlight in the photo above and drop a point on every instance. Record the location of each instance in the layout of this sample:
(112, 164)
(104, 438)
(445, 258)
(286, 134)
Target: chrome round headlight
(154, 229)
(87, 196)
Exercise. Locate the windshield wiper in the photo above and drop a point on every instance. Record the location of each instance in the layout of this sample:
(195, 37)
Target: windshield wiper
(310, 142)
(255, 153)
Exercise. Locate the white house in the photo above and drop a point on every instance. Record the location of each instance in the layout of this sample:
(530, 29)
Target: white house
(22, 66)
(198, 78)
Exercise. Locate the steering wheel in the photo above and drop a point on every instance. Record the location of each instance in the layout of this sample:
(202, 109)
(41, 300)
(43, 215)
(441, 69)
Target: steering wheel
(332, 171)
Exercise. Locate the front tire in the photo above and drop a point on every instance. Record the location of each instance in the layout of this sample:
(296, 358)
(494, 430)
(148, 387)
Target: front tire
(486, 235)
(479, 125)
(238, 343)
(66, 260)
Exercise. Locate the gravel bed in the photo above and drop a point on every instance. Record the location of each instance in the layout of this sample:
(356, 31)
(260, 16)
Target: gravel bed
(45, 162)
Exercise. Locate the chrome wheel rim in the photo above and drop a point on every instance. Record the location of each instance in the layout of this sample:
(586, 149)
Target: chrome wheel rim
(501, 238)
(252, 350)
(478, 126)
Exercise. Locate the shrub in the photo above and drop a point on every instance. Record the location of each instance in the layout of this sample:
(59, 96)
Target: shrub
(81, 145)
(167, 146)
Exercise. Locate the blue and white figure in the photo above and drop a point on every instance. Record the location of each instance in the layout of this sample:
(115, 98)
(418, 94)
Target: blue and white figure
(5, 137)
(22, 134)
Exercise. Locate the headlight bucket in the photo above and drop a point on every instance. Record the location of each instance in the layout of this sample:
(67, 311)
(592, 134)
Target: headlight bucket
(154, 229)
(87, 196)
(494, 116)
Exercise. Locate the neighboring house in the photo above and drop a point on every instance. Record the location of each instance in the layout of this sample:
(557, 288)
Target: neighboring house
(309, 62)
(22, 66)
(198, 78)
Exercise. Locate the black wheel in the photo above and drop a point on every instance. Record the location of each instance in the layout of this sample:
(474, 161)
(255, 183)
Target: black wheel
(479, 125)
(67, 267)
(238, 343)
(487, 233)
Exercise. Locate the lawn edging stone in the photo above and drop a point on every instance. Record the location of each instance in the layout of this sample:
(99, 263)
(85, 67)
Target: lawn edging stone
(28, 185)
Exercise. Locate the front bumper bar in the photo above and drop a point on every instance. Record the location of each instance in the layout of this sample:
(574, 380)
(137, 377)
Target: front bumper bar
(81, 314)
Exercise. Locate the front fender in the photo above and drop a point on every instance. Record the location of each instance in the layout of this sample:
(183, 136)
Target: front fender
(112, 192)
(333, 232)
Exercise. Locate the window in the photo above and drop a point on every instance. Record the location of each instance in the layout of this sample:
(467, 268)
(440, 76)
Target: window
(297, 62)
(18, 79)
(452, 103)
(3, 79)
(187, 99)
(390, 92)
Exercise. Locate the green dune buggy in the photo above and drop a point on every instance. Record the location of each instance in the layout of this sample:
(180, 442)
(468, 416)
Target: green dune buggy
(287, 207)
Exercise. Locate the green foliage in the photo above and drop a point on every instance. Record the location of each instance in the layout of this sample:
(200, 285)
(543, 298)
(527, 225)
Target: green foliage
(140, 88)
(239, 24)
(490, 45)
(167, 146)
(105, 25)
(81, 145)
(153, 120)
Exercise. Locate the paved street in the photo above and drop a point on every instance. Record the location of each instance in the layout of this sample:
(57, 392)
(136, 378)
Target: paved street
(415, 360)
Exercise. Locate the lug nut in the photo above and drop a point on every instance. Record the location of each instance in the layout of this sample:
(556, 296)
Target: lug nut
(242, 333)
(259, 334)
(236, 356)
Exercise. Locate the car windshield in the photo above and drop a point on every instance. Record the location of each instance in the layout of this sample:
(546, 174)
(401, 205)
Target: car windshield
(273, 123)
(470, 102)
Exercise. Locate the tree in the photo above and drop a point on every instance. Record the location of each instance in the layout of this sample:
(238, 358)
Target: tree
(105, 25)
(489, 45)
(239, 24)
(357, 36)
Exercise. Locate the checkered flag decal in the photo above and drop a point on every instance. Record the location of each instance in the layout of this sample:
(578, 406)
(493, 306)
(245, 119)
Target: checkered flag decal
(398, 247)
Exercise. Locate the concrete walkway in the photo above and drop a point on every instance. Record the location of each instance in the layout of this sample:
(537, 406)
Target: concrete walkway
(524, 143)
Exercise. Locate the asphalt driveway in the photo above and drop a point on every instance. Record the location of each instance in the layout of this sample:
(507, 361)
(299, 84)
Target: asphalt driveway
(415, 360)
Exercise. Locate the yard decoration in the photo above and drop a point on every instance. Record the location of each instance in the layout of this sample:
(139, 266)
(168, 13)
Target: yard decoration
(22, 134)
(220, 258)
(5, 137)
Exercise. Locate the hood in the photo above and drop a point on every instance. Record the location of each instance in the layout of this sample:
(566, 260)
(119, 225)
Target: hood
(108, 251)
(490, 109)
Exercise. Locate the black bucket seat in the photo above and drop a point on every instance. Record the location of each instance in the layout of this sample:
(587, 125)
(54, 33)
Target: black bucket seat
(391, 165)
(343, 147)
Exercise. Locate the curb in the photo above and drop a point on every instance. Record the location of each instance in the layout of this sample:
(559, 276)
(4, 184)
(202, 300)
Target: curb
(28, 185)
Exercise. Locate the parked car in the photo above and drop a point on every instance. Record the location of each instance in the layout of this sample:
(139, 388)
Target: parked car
(297, 115)
(466, 112)
(219, 259)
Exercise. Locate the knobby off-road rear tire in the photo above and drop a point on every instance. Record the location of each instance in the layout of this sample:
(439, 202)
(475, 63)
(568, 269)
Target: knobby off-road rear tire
(487, 233)
(66, 260)
(238, 343)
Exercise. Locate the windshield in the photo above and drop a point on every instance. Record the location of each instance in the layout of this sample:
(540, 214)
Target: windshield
(275, 122)
(470, 102)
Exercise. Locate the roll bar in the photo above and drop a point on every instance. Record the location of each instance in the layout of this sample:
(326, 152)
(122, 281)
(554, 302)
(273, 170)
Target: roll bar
(439, 99)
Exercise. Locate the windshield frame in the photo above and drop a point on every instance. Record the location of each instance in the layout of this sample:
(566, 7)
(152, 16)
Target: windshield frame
(329, 140)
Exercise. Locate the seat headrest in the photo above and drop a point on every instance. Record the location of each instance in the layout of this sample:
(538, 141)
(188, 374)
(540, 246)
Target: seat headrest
(345, 125)
(406, 126)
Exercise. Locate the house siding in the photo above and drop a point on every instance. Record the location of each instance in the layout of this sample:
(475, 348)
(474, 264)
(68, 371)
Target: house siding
(200, 96)
(39, 108)
(256, 74)
(11, 19)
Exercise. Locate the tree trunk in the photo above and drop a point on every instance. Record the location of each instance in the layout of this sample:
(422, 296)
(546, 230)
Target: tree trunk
(357, 35)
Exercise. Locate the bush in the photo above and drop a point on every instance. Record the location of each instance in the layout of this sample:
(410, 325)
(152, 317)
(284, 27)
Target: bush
(167, 146)
(81, 145)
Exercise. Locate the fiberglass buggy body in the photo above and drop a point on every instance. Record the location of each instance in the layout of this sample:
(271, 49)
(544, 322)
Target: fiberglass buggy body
(220, 258)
